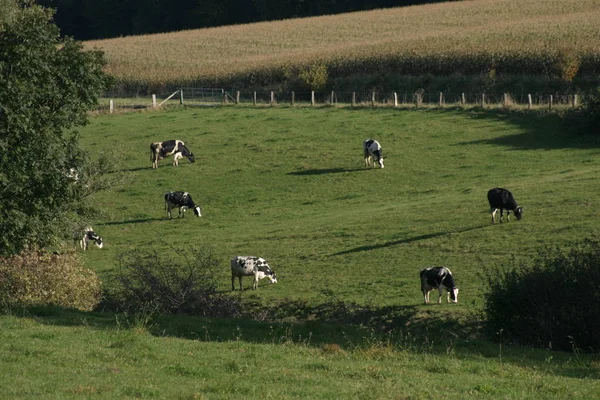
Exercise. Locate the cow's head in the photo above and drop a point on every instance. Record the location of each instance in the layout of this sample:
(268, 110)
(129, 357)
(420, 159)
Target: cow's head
(191, 157)
(93, 236)
(198, 211)
(519, 212)
(453, 294)
(272, 277)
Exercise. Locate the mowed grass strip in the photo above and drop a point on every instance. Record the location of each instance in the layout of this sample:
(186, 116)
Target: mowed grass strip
(73, 358)
(512, 36)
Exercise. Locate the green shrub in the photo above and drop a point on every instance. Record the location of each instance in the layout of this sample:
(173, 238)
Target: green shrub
(552, 302)
(41, 279)
(585, 119)
(169, 282)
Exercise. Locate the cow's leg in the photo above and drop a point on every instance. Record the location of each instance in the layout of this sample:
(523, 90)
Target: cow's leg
(507, 215)
(501, 215)
(255, 282)
(232, 282)
(493, 211)
(425, 296)
(241, 288)
(441, 293)
(176, 158)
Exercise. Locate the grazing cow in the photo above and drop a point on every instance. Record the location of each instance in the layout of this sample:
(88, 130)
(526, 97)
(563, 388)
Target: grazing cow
(502, 199)
(372, 149)
(439, 278)
(181, 200)
(90, 236)
(176, 148)
(250, 266)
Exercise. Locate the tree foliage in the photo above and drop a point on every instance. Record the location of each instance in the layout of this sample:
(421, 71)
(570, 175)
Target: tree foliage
(48, 85)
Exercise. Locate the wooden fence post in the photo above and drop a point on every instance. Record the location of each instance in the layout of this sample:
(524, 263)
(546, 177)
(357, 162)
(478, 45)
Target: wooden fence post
(254, 98)
(462, 99)
(224, 98)
(529, 102)
(312, 98)
(332, 102)
(237, 97)
(373, 99)
(483, 100)
(272, 98)
(504, 101)
(111, 106)
(574, 100)
(293, 97)
(441, 99)
(153, 101)
(353, 99)
(181, 96)
(550, 103)
(395, 99)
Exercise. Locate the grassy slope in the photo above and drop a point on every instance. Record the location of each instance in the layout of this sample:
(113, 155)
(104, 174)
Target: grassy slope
(288, 184)
(469, 37)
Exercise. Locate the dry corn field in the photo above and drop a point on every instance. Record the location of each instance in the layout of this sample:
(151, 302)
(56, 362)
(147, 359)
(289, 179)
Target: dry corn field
(539, 37)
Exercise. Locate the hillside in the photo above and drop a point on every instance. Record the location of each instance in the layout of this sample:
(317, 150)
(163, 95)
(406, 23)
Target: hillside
(552, 43)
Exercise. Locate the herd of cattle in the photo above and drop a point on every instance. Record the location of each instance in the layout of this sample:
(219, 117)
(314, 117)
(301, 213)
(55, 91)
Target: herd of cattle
(431, 278)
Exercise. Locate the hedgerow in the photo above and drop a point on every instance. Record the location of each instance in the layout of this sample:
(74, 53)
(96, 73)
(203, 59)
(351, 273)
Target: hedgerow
(550, 302)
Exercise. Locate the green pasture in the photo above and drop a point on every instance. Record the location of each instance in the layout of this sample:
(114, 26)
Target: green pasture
(289, 184)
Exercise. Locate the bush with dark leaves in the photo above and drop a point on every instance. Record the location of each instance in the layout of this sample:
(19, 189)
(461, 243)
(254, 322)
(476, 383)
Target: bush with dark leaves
(552, 302)
(170, 282)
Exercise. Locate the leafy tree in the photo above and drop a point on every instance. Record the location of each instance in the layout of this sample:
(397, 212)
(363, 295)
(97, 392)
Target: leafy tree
(48, 85)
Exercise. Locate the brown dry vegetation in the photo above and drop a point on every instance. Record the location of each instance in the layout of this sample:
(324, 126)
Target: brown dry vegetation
(553, 38)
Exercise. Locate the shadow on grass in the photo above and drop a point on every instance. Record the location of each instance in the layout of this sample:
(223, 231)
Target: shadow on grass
(407, 240)
(337, 327)
(326, 171)
(540, 130)
(133, 221)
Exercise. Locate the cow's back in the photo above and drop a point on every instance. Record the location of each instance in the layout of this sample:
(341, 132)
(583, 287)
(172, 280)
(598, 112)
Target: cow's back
(501, 198)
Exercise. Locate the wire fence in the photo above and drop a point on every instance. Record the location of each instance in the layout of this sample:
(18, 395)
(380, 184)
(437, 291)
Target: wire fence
(221, 97)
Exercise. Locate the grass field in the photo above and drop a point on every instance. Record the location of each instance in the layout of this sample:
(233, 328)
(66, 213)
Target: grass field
(556, 38)
(289, 184)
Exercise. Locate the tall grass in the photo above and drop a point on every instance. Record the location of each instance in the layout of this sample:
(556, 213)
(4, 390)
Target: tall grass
(557, 38)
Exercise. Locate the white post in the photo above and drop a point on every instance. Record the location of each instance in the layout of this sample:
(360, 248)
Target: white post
(181, 96)
(353, 99)
(483, 100)
(441, 99)
(312, 98)
(504, 100)
(529, 102)
(462, 99)
(272, 98)
(111, 106)
(574, 100)
(550, 103)
(293, 97)
(254, 98)
(153, 101)
(395, 99)
(332, 98)
(373, 99)
(237, 97)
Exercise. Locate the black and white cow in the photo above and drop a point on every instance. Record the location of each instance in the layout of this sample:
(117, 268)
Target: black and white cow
(439, 278)
(502, 199)
(250, 266)
(372, 150)
(182, 201)
(176, 148)
(90, 236)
